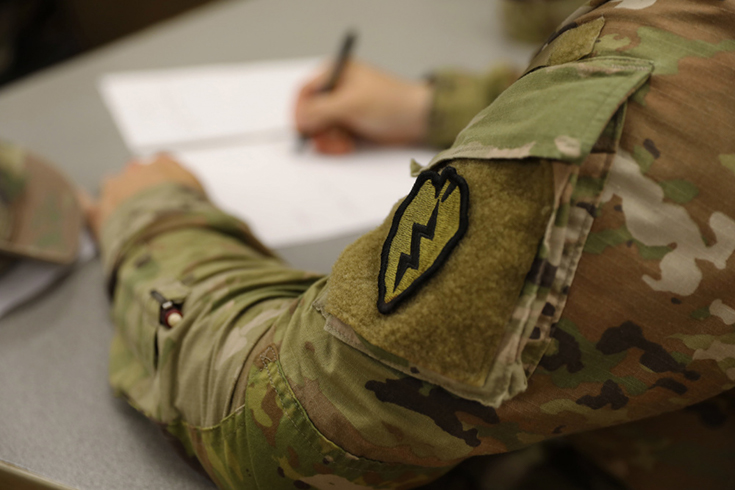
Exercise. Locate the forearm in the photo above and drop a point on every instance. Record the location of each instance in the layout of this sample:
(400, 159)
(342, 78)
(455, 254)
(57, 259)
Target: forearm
(222, 286)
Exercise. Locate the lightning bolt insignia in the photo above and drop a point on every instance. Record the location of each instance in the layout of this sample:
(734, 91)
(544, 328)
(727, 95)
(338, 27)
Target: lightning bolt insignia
(419, 232)
(425, 230)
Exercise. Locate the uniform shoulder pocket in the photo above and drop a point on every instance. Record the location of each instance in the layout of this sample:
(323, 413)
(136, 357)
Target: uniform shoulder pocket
(556, 112)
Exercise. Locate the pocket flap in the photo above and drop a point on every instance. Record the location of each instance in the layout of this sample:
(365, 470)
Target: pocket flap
(557, 112)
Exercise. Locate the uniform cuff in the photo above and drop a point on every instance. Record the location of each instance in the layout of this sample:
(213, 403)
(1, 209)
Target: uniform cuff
(160, 209)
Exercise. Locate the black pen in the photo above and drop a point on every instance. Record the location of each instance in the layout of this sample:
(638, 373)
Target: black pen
(339, 66)
(343, 57)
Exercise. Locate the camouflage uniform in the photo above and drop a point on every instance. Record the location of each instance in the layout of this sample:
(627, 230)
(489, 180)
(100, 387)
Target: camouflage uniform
(564, 269)
(39, 215)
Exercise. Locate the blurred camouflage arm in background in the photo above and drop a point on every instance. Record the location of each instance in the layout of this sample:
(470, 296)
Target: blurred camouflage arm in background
(533, 20)
(171, 240)
(459, 95)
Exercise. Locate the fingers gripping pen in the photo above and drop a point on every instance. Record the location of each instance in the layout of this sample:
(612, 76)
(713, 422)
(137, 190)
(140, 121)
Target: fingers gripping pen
(345, 51)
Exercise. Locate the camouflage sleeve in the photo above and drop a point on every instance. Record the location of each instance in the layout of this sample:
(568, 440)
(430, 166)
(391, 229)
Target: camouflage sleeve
(164, 208)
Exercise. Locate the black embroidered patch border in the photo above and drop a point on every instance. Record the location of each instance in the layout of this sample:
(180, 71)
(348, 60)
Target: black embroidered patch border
(430, 222)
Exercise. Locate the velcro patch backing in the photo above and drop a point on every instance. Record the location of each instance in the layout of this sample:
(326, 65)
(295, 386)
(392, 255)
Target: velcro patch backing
(451, 325)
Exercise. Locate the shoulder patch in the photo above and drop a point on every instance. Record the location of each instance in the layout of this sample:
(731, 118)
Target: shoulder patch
(427, 226)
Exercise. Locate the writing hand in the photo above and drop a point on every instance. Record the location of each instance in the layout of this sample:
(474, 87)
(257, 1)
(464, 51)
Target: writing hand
(366, 103)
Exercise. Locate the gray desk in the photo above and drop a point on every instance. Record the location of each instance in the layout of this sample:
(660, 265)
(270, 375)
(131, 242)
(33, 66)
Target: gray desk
(57, 416)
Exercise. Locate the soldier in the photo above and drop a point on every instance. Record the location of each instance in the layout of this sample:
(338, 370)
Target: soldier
(566, 268)
(39, 215)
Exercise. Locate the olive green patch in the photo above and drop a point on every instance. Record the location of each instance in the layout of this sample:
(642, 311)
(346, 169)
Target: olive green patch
(426, 228)
(454, 324)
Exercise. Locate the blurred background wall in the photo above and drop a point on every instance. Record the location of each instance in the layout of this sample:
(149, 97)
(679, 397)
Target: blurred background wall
(38, 33)
(35, 34)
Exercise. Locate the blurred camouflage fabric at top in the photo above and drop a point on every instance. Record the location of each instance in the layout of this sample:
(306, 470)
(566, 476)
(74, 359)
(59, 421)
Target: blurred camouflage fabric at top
(39, 214)
(564, 269)
(533, 20)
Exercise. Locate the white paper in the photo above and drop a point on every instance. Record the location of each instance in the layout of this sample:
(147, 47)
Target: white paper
(28, 278)
(232, 126)
(289, 196)
(208, 105)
